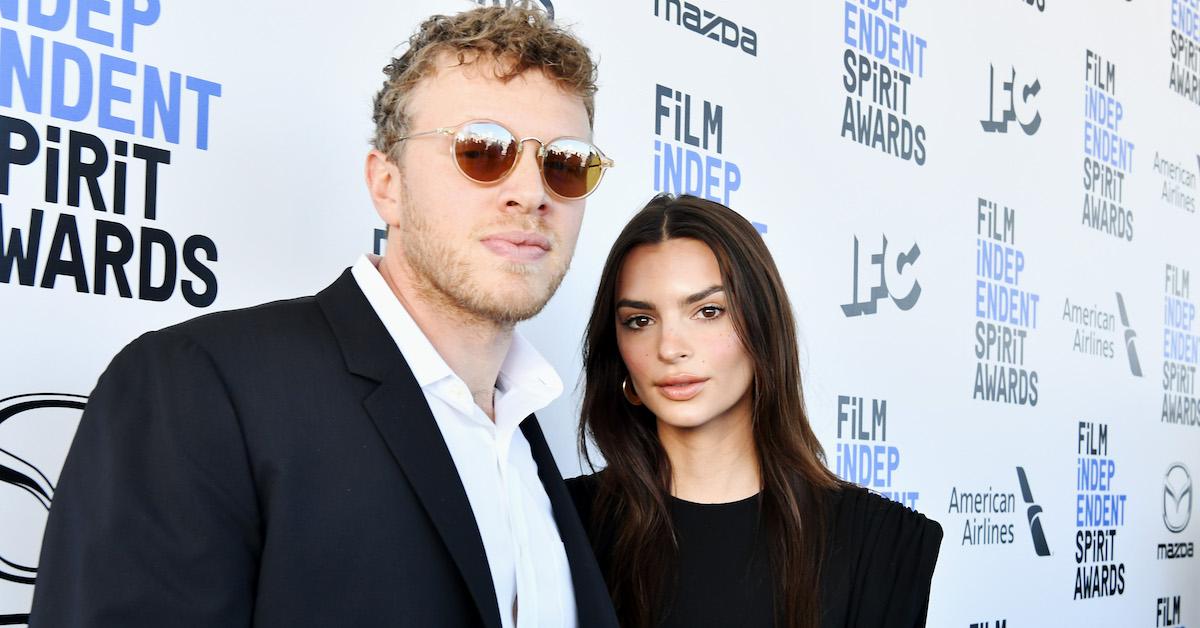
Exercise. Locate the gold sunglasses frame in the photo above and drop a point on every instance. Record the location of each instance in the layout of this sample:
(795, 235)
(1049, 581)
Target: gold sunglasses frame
(452, 131)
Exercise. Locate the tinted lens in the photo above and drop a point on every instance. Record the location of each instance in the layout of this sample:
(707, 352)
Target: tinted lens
(484, 151)
(571, 167)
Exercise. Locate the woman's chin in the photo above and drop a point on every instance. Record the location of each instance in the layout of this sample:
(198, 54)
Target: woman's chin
(678, 419)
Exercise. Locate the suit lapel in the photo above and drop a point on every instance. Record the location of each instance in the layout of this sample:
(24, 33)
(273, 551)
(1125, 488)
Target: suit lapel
(406, 424)
(594, 607)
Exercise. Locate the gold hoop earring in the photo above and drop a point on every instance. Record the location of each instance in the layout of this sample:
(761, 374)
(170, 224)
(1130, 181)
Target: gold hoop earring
(630, 396)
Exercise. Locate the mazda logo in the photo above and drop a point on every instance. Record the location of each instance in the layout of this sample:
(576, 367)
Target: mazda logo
(1177, 498)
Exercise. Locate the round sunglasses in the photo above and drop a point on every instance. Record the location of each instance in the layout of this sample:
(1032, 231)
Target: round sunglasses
(485, 152)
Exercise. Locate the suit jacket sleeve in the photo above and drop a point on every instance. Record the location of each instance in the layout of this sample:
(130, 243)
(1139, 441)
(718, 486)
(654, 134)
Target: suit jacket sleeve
(155, 520)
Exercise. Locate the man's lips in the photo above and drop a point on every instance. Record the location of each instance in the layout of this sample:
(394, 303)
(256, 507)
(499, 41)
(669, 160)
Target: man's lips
(680, 387)
(518, 246)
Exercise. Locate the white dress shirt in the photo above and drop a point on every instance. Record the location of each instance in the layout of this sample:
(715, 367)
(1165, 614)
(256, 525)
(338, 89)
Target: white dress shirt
(526, 556)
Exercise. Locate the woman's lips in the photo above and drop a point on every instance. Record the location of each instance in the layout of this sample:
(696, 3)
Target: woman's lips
(517, 246)
(681, 388)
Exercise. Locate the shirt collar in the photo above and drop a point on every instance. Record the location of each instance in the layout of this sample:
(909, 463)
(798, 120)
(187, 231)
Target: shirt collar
(423, 359)
(523, 369)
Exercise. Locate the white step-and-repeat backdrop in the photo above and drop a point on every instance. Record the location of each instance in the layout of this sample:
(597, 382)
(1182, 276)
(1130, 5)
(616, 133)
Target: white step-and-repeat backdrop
(985, 213)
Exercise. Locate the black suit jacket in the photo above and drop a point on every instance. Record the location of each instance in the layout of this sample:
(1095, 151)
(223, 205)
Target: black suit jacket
(275, 466)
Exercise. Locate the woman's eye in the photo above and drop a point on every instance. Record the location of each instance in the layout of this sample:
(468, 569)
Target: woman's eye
(710, 312)
(637, 322)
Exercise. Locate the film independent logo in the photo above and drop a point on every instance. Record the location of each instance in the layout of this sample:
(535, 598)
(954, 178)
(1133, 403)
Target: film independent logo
(1177, 498)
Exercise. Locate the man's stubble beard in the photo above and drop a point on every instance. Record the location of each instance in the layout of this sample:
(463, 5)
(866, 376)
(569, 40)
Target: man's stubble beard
(443, 275)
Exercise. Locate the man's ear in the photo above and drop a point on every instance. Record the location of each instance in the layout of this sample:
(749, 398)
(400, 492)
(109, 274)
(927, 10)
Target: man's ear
(384, 186)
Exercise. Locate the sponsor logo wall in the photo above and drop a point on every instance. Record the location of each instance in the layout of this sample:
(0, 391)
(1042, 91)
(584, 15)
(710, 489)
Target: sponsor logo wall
(985, 214)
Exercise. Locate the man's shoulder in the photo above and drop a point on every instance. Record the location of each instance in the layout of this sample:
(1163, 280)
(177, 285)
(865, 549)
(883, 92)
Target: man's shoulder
(284, 327)
(283, 316)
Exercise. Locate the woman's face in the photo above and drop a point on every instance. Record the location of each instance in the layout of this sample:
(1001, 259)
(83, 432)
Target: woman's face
(675, 333)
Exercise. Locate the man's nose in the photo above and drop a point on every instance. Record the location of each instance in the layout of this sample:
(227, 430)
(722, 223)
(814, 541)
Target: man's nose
(525, 189)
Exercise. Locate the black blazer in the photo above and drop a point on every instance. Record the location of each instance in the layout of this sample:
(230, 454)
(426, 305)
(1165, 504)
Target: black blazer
(275, 466)
(879, 556)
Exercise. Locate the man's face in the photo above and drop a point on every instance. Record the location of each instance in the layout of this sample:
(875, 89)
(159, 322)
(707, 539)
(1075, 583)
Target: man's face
(494, 251)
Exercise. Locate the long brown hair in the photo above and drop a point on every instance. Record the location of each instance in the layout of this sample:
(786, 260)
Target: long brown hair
(634, 488)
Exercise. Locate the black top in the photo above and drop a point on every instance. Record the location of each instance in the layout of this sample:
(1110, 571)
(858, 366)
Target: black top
(877, 570)
(724, 574)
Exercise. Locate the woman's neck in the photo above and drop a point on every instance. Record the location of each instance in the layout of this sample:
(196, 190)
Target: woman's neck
(715, 463)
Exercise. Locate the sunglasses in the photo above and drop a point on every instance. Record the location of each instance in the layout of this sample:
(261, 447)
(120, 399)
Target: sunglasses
(486, 152)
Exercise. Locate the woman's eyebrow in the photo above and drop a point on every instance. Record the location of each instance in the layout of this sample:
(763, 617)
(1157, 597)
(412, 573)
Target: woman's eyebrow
(703, 294)
(637, 305)
(688, 300)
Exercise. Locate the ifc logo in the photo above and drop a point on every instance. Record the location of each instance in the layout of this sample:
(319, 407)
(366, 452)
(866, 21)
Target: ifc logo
(1177, 498)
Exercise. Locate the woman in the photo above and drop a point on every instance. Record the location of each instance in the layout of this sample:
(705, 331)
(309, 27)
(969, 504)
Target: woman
(716, 507)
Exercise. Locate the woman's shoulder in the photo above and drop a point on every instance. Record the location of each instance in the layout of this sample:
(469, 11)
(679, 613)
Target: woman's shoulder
(880, 557)
(860, 513)
(599, 525)
(584, 485)
(583, 493)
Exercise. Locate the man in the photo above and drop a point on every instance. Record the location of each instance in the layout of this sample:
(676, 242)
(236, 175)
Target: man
(363, 457)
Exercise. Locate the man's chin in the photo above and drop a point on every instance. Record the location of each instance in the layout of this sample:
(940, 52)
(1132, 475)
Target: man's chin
(521, 305)
(508, 301)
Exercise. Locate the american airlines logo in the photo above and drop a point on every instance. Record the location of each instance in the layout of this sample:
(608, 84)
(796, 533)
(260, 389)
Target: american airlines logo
(1135, 367)
(1034, 515)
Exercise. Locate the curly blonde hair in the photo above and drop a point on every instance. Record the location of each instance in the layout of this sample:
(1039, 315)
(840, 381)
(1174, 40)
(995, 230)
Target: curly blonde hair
(518, 37)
